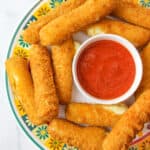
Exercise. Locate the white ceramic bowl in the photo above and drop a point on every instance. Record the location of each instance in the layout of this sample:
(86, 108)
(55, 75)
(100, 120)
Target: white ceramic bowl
(138, 66)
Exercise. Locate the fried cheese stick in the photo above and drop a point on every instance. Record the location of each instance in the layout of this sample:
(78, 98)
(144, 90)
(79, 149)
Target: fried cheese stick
(137, 35)
(64, 26)
(128, 126)
(133, 13)
(85, 138)
(21, 83)
(62, 56)
(76, 45)
(45, 93)
(95, 115)
(31, 34)
(133, 2)
(145, 83)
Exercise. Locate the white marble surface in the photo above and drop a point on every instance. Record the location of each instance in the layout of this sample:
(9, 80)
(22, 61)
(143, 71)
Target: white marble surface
(11, 12)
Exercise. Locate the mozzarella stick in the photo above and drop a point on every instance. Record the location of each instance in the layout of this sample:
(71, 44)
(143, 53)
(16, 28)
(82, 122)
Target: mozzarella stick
(132, 2)
(76, 45)
(31, 34)
(123, 29)
(62, 56)
(64, 26)
(44, 88)
(145, 84)
(22, 86)
(130, 124)
(85, 138)
(141, 3)
(133, 13)
(95, 115)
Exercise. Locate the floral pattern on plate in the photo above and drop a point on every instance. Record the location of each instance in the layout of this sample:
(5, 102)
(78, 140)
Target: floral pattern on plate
(29, 124)
(55, 3)
(20, 51)
(32, 19)
(41, 132)
(42, 10)
(53, 144)
(66, 147)
(23, 43)
(145, 3)
(19, 107)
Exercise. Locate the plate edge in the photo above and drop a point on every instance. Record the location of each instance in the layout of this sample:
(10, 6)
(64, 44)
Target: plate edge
(19, 124)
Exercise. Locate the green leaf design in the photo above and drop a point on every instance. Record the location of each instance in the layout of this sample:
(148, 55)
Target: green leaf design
(23, 43)
(66, 147)
(133, 148)
(41, 132)
(54, 3)
(144, 3)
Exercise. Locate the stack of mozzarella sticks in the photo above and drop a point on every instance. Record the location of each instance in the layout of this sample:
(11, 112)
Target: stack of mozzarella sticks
(44, 80)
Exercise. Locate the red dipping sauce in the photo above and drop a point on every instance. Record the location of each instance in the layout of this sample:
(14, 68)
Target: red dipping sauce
(105, 69)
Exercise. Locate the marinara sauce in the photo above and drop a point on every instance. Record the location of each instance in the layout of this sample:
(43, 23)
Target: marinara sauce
(106, 69)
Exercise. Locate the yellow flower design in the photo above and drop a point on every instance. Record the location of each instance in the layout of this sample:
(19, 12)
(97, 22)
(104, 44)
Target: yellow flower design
(42, 10)
(19, 107)
(20, 51)
(53, 144)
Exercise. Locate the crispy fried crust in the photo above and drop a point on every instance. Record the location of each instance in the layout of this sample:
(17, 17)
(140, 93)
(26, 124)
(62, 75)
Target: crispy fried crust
(96, 115)
(85, 138)
(22, 86)
(31, 34)
(129, 125)
(123, 29)
(44, 88)
(62, 27)
(131, 2)
(62, 56)
(145, 84)
(133, 13)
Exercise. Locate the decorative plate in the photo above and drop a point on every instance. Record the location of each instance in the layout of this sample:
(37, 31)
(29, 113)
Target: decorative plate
(38, 134)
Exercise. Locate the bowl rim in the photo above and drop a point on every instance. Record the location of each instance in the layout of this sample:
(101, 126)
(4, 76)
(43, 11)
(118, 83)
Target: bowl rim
(138, 66)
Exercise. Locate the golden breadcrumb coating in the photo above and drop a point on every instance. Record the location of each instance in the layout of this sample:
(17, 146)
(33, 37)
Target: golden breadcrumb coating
(44, 87)
(31, 34)
(64, 26)
(135, 34)
(130, 124)
(85, 138)
(145, 83)
(95, 115)
(133, 13)
(21, 83)
(62, 56)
